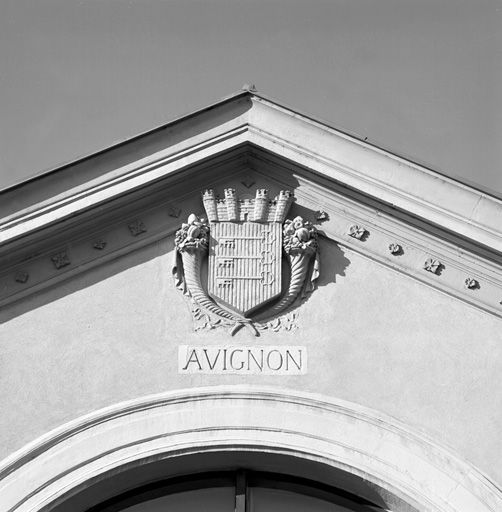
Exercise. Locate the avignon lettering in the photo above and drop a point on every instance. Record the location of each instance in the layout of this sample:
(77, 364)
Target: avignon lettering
(271, 360)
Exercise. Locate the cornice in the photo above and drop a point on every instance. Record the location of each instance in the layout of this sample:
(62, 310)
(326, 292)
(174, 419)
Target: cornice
(138, 176)
(249, 118)
(54, 221)
(389, 178)
(155, 214)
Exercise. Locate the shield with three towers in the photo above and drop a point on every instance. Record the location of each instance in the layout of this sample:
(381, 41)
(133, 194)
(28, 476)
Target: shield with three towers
(245, 248)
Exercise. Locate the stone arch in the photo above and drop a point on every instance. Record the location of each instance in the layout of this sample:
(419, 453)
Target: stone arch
(180, 425)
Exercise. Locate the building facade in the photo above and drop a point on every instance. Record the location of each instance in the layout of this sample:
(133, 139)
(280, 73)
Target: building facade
(246, 309)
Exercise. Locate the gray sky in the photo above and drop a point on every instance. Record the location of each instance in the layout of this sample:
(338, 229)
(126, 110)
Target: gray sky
(420, 77)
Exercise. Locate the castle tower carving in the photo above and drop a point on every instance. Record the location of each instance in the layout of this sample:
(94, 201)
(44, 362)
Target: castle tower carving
(260, 209)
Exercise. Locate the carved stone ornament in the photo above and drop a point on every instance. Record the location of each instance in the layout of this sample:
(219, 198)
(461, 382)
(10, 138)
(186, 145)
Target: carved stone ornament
(21, 277)
(137, 227)
(321, 216)
(60, 259)
(173, 211)
(471, 284)
(99, 244)
(395, 249)
(357, 232)
(248, 181)
(245, 242)
(432, 265)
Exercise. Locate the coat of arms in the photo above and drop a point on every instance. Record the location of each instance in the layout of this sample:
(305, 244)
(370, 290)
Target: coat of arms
(245, 243)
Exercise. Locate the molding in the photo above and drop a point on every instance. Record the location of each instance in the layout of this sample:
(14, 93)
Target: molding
(332, 154)
(379, 173)
(382, 229)
(302, 425)
(88, 244)
(415, 247)
(23, 224)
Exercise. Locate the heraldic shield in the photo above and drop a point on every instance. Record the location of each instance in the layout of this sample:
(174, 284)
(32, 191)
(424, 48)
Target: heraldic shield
(244, 264)
(244, 241)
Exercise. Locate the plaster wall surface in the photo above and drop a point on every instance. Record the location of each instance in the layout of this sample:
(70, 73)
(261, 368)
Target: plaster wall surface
(374, 337)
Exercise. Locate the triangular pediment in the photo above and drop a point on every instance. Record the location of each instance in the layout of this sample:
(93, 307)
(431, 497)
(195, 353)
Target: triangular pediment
(401, 215)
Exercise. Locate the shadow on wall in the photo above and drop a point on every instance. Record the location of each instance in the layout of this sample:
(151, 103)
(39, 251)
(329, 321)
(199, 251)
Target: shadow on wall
(331, 263)
(85, 279)
(332, 260)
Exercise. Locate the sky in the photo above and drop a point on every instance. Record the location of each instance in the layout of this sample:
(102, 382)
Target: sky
(422, 78)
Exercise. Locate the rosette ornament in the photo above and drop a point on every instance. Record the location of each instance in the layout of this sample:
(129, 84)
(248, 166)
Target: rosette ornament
(300, 243)
(192, 245)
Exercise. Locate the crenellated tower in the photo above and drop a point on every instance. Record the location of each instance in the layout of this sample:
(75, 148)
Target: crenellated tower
(260, 209)
(231, 204)
(283, 204)
(209, 200)
(261, 205)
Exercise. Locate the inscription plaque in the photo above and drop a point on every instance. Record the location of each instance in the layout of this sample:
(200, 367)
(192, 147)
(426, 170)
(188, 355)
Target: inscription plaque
(237, 359)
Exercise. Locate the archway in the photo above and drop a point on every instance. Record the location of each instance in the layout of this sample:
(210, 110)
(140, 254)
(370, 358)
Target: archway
(189, 432)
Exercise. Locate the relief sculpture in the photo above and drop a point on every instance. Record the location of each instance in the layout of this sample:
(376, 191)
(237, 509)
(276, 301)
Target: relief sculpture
(245, 243)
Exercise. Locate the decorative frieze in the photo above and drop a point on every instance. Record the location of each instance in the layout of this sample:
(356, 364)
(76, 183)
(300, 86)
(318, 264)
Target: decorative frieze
(388, 238)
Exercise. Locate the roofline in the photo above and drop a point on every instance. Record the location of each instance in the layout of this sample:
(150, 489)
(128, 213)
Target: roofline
(252, 93)
(115, 145)
(381, 147)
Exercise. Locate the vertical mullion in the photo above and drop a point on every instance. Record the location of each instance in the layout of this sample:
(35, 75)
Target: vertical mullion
(241, 491)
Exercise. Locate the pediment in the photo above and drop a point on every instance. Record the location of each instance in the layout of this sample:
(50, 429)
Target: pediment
(403, 216)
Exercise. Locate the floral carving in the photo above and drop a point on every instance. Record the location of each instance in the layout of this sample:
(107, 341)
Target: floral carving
(287, 322)
(202, 320)
(137, 227)
(432, 265)
(299, 236)
(192, 244)
(60, 259)
(21, 277)
(99, 244)
(321, 215)
(357, 232)
(173, 211)
(471, 283)
(300, 243)
(193, 235)
(395, 249)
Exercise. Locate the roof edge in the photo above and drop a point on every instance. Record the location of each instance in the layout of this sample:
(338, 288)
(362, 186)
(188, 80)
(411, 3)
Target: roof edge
(252, 92)
(118, 144)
